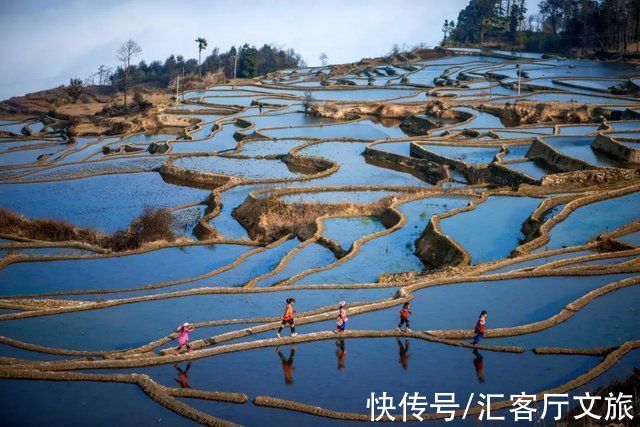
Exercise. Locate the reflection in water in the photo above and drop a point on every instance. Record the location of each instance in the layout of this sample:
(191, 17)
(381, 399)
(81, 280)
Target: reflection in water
(403, 353)
(183, 377)
(478, 365)
(287, 364)
(341, 354)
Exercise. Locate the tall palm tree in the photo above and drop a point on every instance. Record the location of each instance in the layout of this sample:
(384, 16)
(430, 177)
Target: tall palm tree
(202, 45)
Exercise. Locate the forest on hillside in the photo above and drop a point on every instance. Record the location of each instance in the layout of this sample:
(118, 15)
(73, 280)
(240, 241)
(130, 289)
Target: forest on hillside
(560, 25)
(251, 62)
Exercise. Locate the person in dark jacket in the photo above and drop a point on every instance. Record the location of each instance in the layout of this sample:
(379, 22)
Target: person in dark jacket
(404, 317)
(480, 328)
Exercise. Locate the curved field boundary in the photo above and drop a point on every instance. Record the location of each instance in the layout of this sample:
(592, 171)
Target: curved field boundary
(555, 159)
(189, 176)
(607, 363)
(144, 361)
(204, 229)
(355, 248)
(567, 312)
(612, 148)
(221, 269)
(622, 231)
(567, 263)
(433, 229)
(434, 280)
(404, 294)
(19, 242)
(566, 211)
(160, 394)
(15, 179)
(282, 264)
(100, 254)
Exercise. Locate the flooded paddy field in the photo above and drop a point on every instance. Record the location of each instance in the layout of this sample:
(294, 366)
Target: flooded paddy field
(433, 183)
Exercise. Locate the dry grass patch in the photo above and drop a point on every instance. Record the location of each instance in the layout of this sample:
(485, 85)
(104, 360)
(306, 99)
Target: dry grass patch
(270, 218)
(151, 225)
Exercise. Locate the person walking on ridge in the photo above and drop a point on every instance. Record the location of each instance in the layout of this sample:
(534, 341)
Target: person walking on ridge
(287, 318)
(404, 317)
(183, 339)
(341, 322)
(481, 327)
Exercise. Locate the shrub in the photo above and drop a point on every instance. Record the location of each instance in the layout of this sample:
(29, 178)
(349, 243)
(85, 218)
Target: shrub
(151, 225)
(75, 88)
(141, 102)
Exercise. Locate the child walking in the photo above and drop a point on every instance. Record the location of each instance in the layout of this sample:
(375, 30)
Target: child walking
(287, 318)
(480, 327)
(183, 339)
(404, 317)
(341, 323)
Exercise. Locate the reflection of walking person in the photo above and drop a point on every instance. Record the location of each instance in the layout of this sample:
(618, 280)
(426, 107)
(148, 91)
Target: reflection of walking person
(480, 327)
(183, 377)
(403, 352)
(341, 353)
(287, 318)
(478, 365)
(404, 317)
(183, 339)
(341, 322)
(287, 364)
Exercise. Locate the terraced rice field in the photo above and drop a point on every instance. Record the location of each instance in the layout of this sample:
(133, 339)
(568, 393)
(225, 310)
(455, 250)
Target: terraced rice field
(535, 222)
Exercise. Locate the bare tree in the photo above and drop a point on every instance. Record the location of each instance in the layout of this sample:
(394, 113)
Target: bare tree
(90, 80)
(128, 50)
(324, 59)
(307, 101)
(103, 74)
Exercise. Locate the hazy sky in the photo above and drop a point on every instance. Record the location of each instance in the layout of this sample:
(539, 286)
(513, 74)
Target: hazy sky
(45, 42)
